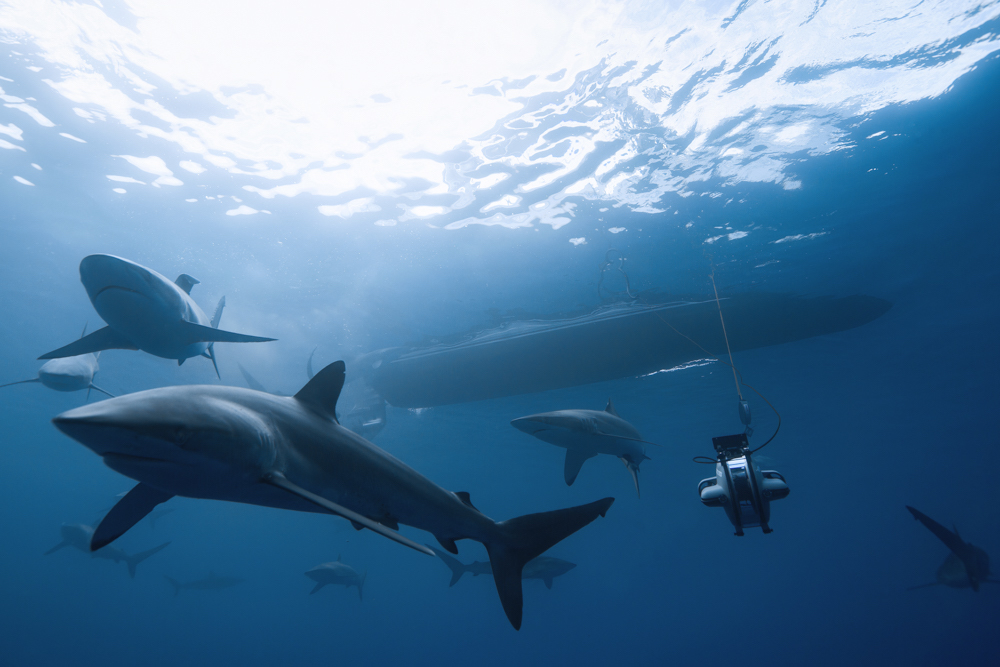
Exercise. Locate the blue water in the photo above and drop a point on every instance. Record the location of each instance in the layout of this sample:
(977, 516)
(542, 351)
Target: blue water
(888, 190)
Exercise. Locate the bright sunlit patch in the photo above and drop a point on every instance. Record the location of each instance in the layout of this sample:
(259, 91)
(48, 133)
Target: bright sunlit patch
(366, 205)
(578, 241)
(124, 179)
(6, 144)
(242, 210)
(23, 181)
(191, 166)
(616, 230)
(72, 138)
(800, 237)
(36, 166)
(683, 367)
(153, 165)
(120, 191)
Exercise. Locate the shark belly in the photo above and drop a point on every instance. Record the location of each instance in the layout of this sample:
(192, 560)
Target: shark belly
(153, 324)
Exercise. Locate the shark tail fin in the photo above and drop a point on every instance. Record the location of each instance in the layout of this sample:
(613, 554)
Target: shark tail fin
(20, 382)
(361, 585)
(102, 339)
(519, 540)
(309, 364)
(177, 585)
(57, 547)
(217, 315)
(134, 560)
(457, 567)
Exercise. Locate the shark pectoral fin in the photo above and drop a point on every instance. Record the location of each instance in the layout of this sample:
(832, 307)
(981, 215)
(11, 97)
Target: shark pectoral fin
(951, 540)
(575, 458)
(317, 587)
(448, 544)
(102, 339)
(20, 382)
(548, 580)
(320, 394)
(96, 388)
(217, 315)
(196, 333)
(129, 511)
(57, 548)
(279, 480)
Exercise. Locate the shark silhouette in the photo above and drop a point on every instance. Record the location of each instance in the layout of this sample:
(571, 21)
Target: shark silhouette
(230, 443)
(967, 566)
(336, 573)
(585, 434)
(145, 311)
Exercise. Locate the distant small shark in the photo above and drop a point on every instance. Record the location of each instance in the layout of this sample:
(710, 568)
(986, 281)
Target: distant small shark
(211, 583)
(545, 568)
(967, 566)
(79, 535)
(585, 434)
(145, 311)
(336, 573)
(68, 374)
(240, 445)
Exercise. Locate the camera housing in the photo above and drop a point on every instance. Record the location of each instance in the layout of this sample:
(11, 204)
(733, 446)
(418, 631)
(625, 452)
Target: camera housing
(740, 486)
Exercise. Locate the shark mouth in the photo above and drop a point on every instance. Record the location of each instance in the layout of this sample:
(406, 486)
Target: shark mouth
(115, 287)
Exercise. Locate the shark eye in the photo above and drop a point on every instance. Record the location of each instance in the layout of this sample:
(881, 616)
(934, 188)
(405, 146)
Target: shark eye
(181, 436)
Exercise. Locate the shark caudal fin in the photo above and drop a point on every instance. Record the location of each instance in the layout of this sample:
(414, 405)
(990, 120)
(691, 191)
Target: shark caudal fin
(521, 539)
(134, 560)
(361, 585)
(127, 512)
(457, 567)
(177, 585)
(102, 339)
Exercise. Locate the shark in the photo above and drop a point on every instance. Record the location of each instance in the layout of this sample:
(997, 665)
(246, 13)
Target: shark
(585, 434)
(230, 443)
(212, 582)
(79, 537)
(967, 566)
(145, 311)
(68, 373)
(339, 573)
(545, 568)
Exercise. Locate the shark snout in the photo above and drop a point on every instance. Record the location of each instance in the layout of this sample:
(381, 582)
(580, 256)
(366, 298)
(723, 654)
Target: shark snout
(103, 273)
(546, 421)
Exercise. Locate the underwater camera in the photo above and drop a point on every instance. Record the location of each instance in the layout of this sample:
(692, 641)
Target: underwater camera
(740, 486)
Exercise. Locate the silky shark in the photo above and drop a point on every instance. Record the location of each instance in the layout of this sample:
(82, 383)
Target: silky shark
(967, 566)
(240, 445)
(212, 582)
(585, 434)
(545, 568)
(145, 311)
(336, 573)
(69, 373)
(79, 536)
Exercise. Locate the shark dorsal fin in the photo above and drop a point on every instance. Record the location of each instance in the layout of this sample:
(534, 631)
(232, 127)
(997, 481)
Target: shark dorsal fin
(186, 282)
(611, 409)
(465, 498)
(321, 393)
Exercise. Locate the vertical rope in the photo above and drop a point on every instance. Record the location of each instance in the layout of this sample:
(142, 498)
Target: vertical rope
(725, 335)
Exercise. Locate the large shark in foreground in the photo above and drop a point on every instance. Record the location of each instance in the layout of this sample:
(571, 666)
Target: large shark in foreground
(68, 374)
(967, 566)
(229, 443)
(79, 537)
(336, 573)
(545, 568)
(585, 434)
(145, 311)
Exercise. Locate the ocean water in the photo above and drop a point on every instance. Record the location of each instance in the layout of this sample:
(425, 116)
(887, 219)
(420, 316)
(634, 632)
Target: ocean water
(355, 179)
